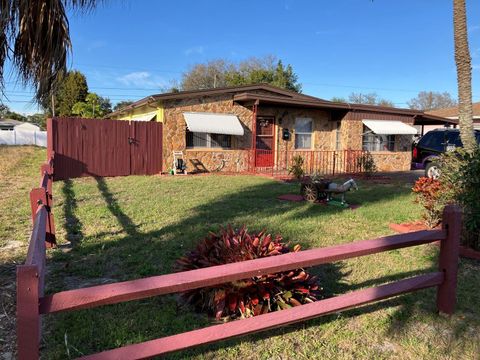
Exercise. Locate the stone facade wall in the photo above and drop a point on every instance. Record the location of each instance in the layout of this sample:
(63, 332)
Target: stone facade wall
(392, 160)
(174, 131)
(351, 135)
(213, 160)
(398, 160)
(238, 159)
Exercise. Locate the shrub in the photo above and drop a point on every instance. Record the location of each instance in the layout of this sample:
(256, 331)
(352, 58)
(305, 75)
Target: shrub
(253, 296)
(366, 163)
(461, 176)
(297, 167)
(428, 194)
(459, 183)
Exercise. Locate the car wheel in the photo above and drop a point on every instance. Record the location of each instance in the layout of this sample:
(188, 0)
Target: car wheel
(432, 170)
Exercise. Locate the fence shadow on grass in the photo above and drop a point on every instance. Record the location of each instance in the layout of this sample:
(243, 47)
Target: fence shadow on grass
(72, 224)
(113, 206)
(141, 254)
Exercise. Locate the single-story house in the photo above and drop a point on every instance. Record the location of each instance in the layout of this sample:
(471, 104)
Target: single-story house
(9, 124)
(452, 114)
(261, 126)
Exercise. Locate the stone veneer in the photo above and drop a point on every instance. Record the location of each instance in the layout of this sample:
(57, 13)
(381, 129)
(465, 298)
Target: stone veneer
(237, 158)
(398, 160)
(174, 131)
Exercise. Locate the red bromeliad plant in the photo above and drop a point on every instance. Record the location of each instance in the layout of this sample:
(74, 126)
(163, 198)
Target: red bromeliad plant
(249, 297)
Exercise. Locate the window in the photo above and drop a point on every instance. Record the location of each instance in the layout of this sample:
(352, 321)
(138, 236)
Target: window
(204, 140)
(220, 141)
(374, 142)
(433, 140)
(303, 133)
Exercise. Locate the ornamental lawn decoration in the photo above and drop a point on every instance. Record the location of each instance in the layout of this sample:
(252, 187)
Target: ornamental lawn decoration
(252, 296)
(316, 189)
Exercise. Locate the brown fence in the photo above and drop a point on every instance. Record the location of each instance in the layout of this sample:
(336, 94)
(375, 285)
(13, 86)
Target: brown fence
(97, 147)
(32, 303)
(325, 162)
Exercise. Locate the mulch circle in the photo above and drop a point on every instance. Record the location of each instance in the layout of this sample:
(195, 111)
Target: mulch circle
(408, 227)
(419, 225)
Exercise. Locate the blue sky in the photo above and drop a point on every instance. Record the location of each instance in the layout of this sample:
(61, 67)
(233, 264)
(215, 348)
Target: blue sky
(130, 49)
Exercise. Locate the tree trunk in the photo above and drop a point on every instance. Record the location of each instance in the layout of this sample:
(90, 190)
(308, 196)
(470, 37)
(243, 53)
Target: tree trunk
(464, 75)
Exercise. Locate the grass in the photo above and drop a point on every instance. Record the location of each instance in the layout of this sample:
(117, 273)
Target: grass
(124, 228)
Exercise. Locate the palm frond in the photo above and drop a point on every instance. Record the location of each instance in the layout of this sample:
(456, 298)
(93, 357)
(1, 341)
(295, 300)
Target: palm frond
(39, 32)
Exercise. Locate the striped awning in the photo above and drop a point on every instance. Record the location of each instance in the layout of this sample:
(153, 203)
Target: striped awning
(213, 123)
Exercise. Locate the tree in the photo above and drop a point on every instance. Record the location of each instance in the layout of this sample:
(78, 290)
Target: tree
(338, 99)
(94, 106)
(35, 35)
(38, 119)
(464, 75)
(430, 100)
(105, 105)
(6, 113)
(122, 104)
(369, 99)
(220, 72)
(70, 89)
(206, 76)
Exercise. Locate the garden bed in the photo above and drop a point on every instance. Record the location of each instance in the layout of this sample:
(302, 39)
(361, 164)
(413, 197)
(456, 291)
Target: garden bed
(419, 225)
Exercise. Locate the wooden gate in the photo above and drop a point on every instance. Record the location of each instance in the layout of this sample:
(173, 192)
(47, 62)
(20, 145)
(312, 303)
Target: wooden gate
(96, 147)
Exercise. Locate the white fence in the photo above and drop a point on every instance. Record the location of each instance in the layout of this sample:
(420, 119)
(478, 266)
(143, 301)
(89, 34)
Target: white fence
(23, 137)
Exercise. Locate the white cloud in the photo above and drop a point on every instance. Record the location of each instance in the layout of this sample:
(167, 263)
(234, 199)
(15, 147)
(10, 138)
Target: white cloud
(475, 66)
(141, 79)
(195, 50)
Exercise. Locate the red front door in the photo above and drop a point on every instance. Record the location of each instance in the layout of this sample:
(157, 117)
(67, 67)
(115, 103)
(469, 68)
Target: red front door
(265, 146)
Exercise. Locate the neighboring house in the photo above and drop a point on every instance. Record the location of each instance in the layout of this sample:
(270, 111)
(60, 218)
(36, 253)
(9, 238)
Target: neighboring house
(9, 124)
(13, 132)
(452, 113)
(218, 128)
(25, 126)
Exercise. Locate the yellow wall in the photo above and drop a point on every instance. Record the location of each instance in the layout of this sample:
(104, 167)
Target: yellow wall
(141, 110)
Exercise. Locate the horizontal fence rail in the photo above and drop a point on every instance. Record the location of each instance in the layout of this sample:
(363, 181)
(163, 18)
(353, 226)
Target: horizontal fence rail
(31, 302)
(268, 321)
(214, 275)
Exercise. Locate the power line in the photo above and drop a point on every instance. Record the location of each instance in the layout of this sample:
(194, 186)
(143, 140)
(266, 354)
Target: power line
(129, 68)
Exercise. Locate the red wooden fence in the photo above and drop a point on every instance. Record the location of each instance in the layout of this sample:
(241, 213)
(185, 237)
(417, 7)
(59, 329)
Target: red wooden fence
(97, 147)
(32, 303)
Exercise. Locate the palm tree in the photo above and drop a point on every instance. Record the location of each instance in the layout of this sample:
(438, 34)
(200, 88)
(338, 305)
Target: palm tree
(464, 75)
(35, 37)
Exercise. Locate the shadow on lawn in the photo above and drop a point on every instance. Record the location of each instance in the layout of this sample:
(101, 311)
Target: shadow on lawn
(154, 252)
(112, 204)
(72, 223)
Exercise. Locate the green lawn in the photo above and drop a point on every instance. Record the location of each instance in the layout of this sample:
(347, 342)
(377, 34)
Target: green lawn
(124, 228)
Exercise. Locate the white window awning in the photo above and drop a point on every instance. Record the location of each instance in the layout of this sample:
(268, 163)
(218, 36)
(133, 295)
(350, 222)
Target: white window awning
(389, 127)
(213, 123)
(144, 117)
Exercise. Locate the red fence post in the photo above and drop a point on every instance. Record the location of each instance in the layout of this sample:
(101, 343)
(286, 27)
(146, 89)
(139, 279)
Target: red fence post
(448, 260)
(39, 196)
(28, 316)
